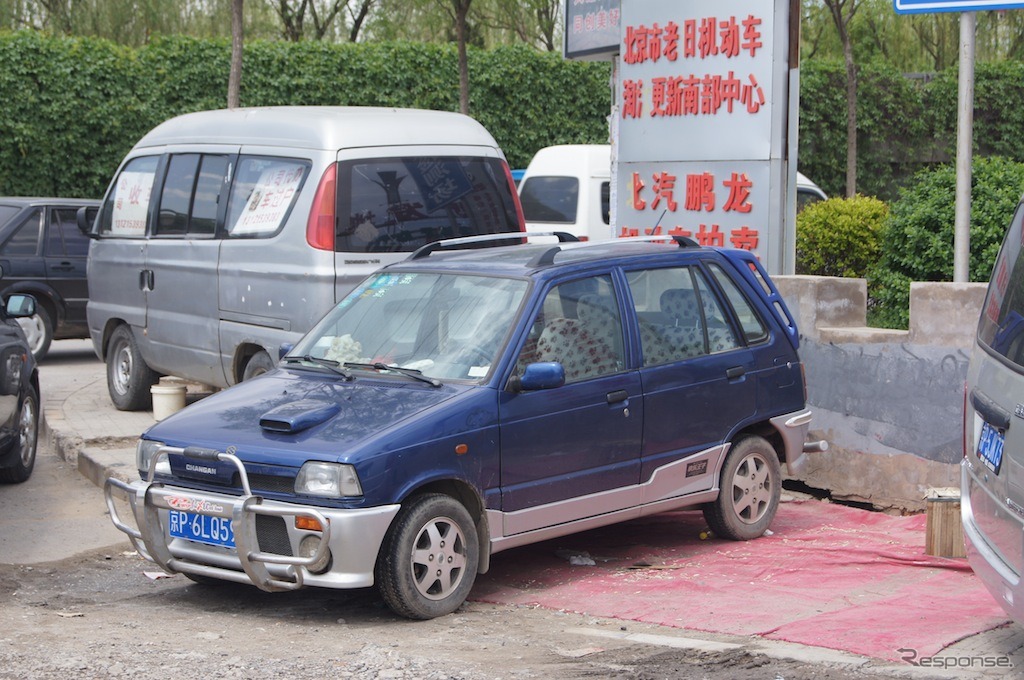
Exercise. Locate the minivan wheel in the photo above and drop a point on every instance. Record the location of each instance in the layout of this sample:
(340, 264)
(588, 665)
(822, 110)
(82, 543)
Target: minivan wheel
(428, 562)
(750, 489)
(27, 441)
(128, 376)
(38, 330)
(259, 364)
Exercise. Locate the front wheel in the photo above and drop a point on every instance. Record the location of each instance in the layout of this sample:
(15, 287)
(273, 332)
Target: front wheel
(28, 440)
(750, 489)
(428, 562)
(128, 376)
(38, 330)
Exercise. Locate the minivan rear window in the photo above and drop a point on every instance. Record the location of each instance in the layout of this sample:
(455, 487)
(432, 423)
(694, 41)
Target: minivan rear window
(550, 199)
(400, 204)
(1001, 327)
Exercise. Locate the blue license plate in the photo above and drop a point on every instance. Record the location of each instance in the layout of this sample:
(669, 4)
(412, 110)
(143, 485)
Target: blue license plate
(201, 528)
(990, 447)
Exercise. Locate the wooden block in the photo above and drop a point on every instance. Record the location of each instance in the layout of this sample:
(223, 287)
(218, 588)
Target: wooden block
(944, 535)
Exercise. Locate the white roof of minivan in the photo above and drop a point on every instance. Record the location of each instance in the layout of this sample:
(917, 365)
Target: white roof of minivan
(320, 127)
(570, 159)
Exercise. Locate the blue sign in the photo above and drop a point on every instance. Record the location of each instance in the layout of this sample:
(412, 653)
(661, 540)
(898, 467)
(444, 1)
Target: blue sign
(925, 6)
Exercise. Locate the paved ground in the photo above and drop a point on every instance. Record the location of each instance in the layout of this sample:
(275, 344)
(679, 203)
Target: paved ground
(88, 432)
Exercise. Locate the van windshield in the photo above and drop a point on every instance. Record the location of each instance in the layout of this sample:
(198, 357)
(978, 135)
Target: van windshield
(400, 204)
(447, 326)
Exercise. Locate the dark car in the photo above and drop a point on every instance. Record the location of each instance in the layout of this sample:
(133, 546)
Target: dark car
(19, 393)
(464, 402)
(43, 253)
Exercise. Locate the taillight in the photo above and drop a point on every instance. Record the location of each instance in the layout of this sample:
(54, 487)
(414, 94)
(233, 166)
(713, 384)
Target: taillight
(322, 215)
(515, 197)
(965, 421)
(803, 379)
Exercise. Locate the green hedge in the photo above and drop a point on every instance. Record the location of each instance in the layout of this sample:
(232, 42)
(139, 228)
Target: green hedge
(839, 237)
(71, 107)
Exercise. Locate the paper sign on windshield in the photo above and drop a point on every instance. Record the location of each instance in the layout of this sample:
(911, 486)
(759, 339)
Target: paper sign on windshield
(131, 203)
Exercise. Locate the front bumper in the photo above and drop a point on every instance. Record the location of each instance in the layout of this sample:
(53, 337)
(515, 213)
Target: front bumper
(266, 554)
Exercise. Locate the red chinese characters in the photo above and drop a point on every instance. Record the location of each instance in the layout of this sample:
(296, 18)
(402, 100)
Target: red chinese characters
(700, 196)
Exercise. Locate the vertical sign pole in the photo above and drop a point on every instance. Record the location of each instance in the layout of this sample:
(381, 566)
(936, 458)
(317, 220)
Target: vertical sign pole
(964, 151)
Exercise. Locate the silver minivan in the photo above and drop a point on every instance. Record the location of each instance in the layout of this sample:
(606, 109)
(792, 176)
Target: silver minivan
(992, 476)
(227, 233)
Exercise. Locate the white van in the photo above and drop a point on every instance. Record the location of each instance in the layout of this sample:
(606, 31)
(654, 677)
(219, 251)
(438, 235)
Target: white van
(567, 188)
(227, 233)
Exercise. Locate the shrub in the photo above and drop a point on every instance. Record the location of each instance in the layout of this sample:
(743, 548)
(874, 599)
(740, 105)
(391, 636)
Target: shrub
(917, 238)
(839, 237)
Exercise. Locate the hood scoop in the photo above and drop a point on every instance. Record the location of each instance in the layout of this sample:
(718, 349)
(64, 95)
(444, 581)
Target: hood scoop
(298, 416)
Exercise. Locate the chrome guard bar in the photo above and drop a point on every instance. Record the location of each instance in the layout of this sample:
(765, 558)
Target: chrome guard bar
(151, 539)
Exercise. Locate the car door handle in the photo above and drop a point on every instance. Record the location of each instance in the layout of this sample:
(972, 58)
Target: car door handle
(990, 411)
(735, 372)
(63, 267)
(617, 397)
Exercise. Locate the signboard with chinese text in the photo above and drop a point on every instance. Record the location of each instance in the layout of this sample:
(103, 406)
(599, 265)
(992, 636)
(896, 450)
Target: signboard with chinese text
(131, 203)
(270, 200)
(591, 29)
(929, 6)
(703, 112)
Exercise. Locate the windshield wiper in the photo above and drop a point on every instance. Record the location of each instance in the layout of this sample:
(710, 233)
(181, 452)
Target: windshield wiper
(319, 361)
(410, 372)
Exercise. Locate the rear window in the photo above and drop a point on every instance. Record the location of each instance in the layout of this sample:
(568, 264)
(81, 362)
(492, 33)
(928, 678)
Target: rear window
(1002, 320)
(400, 204)
(550, 199)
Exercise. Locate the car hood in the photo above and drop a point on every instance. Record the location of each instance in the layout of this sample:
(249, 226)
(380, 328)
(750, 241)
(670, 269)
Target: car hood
(303, 414)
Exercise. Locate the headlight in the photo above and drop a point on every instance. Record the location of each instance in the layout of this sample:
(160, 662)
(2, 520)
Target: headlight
(330, 480)
(144, 452)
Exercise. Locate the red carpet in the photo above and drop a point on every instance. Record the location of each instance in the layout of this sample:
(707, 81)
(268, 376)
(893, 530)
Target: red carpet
(829, 576)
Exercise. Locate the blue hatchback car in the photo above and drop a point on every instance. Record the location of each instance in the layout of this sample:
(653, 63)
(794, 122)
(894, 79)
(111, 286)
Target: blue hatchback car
(473, 399)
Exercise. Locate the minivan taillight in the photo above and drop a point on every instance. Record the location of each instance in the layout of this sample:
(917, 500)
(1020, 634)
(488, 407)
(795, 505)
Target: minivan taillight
(322, 216)
(515, 196)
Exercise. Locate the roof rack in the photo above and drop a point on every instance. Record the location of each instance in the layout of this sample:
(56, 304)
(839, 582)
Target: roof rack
(548, 256)
(425, 251)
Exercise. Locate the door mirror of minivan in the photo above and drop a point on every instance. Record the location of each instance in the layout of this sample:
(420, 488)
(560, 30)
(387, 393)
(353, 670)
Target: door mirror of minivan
(84, 220)
(543, 375)
(20, 306)
(284, 349)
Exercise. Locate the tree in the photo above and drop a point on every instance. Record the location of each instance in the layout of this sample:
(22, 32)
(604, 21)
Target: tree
(235, 74)
(324, 17)
(842, 12)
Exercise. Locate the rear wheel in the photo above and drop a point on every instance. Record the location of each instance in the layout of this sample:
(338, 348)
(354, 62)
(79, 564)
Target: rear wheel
(128, 376)
(38, 330)
(259, 364)
(428, 562)
(28, 439)
(750, 489)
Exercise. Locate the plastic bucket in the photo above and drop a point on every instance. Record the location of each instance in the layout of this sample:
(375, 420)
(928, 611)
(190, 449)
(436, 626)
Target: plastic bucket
(167, 399)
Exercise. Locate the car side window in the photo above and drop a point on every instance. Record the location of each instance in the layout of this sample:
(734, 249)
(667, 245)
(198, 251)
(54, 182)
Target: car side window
(75, 243)
(126, 209)
(263, 193)
(751, 324)
(678, 315)
(580, 327)
(25, 238)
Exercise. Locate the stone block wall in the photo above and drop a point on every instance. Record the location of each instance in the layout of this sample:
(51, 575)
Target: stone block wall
(890, 403)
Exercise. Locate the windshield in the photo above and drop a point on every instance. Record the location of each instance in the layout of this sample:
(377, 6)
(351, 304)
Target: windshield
(448, 326)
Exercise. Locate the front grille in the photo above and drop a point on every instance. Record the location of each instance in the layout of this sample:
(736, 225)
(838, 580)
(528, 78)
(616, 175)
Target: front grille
(272, 533)
(273, 483)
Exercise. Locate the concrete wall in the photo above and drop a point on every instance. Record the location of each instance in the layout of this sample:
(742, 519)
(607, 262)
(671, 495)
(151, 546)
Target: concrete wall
(889, 403)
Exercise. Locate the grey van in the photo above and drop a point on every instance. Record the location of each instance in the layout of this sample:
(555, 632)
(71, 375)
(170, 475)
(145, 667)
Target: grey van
(992, 473)
(227, 233)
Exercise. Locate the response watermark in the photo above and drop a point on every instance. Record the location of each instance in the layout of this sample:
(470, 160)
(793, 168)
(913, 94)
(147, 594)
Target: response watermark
(912, 657)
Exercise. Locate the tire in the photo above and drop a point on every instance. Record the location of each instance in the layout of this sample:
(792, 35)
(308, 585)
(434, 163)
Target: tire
(128, 376)
(259, 364)
(38, 330)
(751, 485)
(431, 529)
(28, 440)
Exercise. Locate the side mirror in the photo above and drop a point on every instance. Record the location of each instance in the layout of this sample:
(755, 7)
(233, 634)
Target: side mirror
(20, 306)
(544, 375)
(284, 349)
(85, 220)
